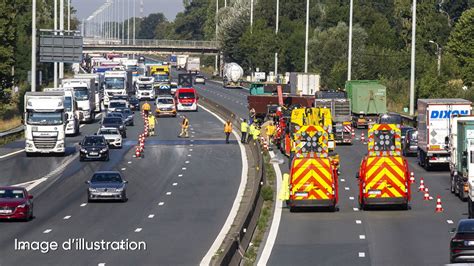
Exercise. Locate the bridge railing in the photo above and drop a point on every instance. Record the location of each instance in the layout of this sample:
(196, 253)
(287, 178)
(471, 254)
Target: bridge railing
(152, 43)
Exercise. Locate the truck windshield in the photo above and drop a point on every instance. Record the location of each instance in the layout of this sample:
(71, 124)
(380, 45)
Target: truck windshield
(145, 87)
(186, 95)
(390, 119)
(68, 104)
(81, 93)
(115, 83)
(46, 118)
(160, 77)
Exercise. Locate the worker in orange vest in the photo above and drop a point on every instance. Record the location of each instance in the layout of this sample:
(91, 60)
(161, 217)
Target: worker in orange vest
(227, 130)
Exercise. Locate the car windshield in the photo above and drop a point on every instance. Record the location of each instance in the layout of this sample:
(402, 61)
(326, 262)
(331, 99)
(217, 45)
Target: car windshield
(165, 101)
(199, 77)
(117, 104)
(186, 95)
(115, 83)
(466, 226)
(390, 119)
(112, 120)
(108, 131)
(94, 141)
(81, 93)
(106, 177)
(11, 194)
(115, 114)
(145, 87)
(68, 104)
(45, 118)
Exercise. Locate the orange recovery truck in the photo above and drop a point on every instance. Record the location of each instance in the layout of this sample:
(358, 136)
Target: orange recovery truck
(313, 178)
(383, 174)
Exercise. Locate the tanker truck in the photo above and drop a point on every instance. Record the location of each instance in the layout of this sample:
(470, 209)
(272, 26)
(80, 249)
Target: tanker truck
(232, 75)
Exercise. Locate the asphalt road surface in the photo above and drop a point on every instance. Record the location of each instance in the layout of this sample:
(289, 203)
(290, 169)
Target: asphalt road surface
(180, 195)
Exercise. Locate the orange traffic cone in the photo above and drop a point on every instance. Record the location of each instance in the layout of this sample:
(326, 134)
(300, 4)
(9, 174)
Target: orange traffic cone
(422, 185)
(353, 133)
(412, 178)
(427, 195)
(137, 152)
(439, 207)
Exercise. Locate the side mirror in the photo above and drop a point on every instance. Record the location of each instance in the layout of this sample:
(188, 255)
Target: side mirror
(357, 175)
(87, 182)
(80, 144)
(30, 196)
(125, 182)
(453, 230)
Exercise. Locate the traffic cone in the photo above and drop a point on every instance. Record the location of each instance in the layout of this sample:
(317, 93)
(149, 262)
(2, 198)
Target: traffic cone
(439, 207)
(353, 132)
(412, 178)
(145, 133)
(427, 195)
(362, 136)
(422, 185)
(137, 152)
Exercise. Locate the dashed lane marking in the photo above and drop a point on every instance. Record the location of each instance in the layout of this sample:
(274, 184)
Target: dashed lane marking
(190, 149)
(161, 203)
(151, 216)
(362, 237)
(346, 188)
(168, 193)
(123, 169)
(180, 175)
(356, 209)
(83, 204)
(351, 198)
(184, 168)
(10, 154)
(81, 126)
(67, 217)
(343, 180)
(175, 184)
(358, 222)
(101, 264)
(47, 231)
(361, 254)
(138, 230)
(186, 162)
(129, 162)
(191, 145)
(189, 155)
(450, 221)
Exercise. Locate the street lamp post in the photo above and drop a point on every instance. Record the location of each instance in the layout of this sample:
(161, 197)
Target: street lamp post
(217, 28)
(438, 53)
(412, 69)
(349, 53)
(61, 28)
(306, 39)
(251, 16)
(55, 24)
(33, 45)
(277, 18)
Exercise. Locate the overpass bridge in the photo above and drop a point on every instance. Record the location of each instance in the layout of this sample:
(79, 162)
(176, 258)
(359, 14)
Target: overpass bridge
(147, 46)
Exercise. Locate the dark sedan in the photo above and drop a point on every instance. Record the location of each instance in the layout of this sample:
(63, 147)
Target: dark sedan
(462, 243)
(134, 103)
(410, 143)
(15, 203)
(128, 115)
(107, 185)
(116, 122)
(94, 148)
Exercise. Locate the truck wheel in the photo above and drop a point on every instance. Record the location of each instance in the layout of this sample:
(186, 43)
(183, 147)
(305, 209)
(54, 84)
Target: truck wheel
(463, 195)
(362, 205)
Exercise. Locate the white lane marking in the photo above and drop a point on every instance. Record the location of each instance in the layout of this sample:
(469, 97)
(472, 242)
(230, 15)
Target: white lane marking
(449, 221)
(272, 234)
(123, 169)
(346, 188)
(190, 149)
(67, 217)
(184, 168)
(192, 140)
(129, 162)
(189, 155)
(47, 231)
(180, 175)
(361, 254)
(186, 162)
(343, 180)
(175, 184)
(101, 264)
(81, 126)
(358, 222)
(161, 203)
(168, 193)
(10, 154)
(83, 204)
(361, 237)
(31, 184)
(191, 145)
(235, 205)
(356, 209)
(151, 216)
(138, 230)
(351, 198)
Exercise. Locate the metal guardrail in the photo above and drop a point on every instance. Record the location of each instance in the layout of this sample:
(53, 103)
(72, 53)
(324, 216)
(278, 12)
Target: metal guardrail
(238, 239)
(12, 131)
(91, 42)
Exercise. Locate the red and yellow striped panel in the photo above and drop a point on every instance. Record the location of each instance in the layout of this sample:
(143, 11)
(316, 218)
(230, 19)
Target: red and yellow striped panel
(312, 179)
(312, 135)
(385, 177)
(396, 135)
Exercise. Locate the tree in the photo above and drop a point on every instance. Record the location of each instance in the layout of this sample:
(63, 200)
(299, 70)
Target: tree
(149, 25)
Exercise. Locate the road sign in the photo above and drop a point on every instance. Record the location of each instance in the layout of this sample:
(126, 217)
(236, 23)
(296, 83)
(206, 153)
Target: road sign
(60, 46)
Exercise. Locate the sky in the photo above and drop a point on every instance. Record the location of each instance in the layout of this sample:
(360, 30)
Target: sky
(168, 7)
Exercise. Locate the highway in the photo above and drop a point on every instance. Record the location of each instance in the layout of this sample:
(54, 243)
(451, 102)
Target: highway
(180, 194)
(353, 237)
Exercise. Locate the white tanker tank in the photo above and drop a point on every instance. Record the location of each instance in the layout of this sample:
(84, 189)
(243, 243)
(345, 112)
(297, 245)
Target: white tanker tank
(232, 75)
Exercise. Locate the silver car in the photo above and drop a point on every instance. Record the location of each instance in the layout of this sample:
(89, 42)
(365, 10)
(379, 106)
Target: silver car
(112, 136)
(107, 185)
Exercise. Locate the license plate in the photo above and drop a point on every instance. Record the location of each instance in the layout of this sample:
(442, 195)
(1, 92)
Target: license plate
(5, 211)
(375, 192)
(106, 194)
(469, 243)
(94, 153)
(301, 194)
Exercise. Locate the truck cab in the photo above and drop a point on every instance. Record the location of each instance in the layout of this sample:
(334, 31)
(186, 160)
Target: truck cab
(45, 123)
(84, 94)
(70, 108)
(144, 88)
(115, 83)
(186, 99)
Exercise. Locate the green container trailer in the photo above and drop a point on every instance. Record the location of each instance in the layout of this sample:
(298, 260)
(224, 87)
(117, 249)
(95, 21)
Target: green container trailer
(463, 173)
(368, 100)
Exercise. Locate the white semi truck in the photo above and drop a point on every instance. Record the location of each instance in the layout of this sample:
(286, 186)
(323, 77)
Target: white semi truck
(181, 61)
(433, 128)
(99, 94)
(115, 83)
(45, 123)
(232, 75)
(70, 108)
(85, 94)
(145, 88)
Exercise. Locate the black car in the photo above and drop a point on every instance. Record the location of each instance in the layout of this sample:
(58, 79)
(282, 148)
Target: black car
(107, 185)
(462, 243)
(93, 148)
(410, 142)
(116, 122)
(134, 103)
(127, 115)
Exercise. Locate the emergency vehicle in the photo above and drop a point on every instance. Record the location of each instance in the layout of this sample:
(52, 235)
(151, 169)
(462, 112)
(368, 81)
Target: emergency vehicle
(383, 174)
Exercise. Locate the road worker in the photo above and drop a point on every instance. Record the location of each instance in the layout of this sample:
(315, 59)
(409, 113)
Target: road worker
(184, 127)
(256, 133)
(227, 130)
(151, 124)
(269, 132)
(146, 108)
(244, 127)
(251, 131)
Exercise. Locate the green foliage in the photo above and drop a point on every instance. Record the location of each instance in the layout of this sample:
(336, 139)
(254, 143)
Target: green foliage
(149, 25)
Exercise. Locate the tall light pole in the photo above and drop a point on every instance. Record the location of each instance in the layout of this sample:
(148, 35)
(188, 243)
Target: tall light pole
(349, 53)
(217, 28)
(33, 45)
(438, 53)
(55, 64)
(277, 18)
(68, 14)
(306, 39)
(61, 28)
(251, 16)
(134, 25)
(412, 70)
(128, 21)
(123, 21)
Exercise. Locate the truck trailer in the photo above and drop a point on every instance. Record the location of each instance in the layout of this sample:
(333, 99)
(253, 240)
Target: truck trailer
(368, 100)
